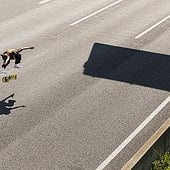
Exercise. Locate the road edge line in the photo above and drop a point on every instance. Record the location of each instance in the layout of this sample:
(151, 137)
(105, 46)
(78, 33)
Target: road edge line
(141, 152)
(133, 135)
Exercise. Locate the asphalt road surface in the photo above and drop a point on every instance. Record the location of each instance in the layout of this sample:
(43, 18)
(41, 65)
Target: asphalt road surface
(93, 90)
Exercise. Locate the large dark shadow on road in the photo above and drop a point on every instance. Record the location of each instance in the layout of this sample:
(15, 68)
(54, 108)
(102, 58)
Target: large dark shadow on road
(129, 65)
(6, 105)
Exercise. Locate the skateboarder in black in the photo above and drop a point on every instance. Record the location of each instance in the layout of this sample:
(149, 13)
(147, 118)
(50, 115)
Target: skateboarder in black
(12, 54)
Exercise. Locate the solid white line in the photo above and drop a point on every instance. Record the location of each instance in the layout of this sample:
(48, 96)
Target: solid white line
(152, 27)
(94, 13)
(44, 1)
(133, 134)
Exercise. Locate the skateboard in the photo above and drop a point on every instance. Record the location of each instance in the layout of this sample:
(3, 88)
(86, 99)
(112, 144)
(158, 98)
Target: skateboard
(7, 78)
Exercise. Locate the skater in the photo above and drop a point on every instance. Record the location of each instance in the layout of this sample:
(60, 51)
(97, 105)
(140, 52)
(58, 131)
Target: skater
(12, 54)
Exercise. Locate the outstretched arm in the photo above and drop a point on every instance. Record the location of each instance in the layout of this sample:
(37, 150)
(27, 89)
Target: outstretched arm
(24, 48)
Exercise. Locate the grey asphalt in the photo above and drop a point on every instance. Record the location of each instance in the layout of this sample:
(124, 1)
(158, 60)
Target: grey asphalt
(84, 88)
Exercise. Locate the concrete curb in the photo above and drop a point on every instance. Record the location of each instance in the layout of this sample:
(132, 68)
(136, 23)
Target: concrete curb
(142, 151)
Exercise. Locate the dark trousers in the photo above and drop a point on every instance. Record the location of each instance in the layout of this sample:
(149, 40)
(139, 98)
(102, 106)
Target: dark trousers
(17, 59)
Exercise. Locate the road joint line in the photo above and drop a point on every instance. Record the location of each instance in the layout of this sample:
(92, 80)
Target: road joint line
(94, 13)
(44, 1)
(152, 27)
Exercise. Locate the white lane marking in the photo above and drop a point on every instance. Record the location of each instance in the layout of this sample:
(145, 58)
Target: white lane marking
(94, 13)
(149, 29)
(133, 134)
(44, 1)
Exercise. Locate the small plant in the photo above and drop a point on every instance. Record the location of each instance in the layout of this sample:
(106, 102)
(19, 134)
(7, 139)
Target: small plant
(163, 163)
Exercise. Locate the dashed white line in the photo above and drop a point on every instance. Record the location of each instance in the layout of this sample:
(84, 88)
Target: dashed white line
(44, 1)
(149, 29)
(133, 134)
(94, 13)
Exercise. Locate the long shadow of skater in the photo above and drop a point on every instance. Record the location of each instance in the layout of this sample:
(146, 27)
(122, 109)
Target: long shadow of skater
(127, 65)
(7, 106)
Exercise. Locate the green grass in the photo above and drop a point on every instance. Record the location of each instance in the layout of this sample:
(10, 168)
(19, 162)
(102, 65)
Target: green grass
(163, 163)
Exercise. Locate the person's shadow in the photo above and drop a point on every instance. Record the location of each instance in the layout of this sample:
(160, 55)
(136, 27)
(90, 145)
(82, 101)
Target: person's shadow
(7, 105)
